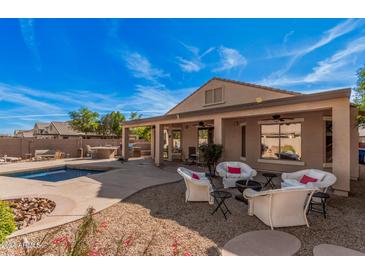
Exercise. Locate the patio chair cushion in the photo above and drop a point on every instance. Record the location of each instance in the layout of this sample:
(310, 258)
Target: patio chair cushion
(195, 176)
(234, 170)
(306, 179)
(316, 175)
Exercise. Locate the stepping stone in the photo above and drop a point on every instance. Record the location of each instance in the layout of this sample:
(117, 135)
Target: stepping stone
(334, 250)
(262, 243)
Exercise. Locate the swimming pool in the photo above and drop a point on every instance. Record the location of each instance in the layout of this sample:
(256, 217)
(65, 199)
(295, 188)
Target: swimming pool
(54, 174)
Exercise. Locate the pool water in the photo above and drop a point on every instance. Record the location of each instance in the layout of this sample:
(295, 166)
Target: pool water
(55, 175)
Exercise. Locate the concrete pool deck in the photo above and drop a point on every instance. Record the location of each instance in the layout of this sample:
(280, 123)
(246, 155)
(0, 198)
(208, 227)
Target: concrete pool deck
(74, 196)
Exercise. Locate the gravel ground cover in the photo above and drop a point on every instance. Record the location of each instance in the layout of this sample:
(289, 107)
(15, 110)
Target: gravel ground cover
(157, 221)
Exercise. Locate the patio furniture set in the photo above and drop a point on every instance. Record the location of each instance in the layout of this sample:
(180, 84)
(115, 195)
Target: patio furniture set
(300, 192)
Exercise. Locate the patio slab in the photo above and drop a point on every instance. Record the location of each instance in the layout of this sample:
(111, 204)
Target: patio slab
(74, 196)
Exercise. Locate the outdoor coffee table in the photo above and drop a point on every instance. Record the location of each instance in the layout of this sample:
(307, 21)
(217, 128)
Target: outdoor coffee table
(242, 185)
(334, 250)
(219, 197)
(269, 176)
(262, 243)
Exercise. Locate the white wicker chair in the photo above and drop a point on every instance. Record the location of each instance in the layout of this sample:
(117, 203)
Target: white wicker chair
(325, 179)
(196, 190)
(229, 179)
(280, 207)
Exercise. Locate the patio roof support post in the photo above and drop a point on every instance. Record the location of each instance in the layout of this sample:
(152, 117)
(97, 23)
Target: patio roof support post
(341, 129)
(170, 144)
(153, 137)
(125, 143)
(158, 144)
(218, 130)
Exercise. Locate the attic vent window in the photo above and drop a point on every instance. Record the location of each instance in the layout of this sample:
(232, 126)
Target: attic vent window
(214, 96)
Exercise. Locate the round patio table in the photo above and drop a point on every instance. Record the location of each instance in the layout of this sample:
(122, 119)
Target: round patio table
(241, 186)
(262, 243)
(334, 250)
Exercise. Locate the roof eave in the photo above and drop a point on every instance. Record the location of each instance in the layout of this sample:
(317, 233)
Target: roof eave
(326, 95)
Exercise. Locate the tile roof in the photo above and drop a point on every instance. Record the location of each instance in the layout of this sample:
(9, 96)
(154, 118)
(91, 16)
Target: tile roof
(64, 128)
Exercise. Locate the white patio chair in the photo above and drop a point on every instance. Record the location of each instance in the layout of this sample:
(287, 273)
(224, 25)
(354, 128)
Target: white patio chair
(196, 190)
(324, 179)
(280, 207)
(230, 179)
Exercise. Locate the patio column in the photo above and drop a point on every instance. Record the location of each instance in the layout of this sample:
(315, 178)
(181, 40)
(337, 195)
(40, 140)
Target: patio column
(125, 143)
(158, 144)
(341, 129)
(153, 142)
(169, 132)
(218, 130)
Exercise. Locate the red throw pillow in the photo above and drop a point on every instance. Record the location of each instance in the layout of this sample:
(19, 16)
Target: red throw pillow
(234, 170)
(195, 176)
(306, 179)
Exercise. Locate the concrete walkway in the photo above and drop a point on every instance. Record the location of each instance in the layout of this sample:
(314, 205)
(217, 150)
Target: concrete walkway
(74, 196)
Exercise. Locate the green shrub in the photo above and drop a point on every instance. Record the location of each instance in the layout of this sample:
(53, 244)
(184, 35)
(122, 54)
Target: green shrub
(7, 223)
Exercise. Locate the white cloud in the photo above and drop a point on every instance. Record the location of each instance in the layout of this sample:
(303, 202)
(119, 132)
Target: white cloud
(141, 67)
(328, 36)
(151, 100)
(286, 36)
(336, 68)
(195, 62)
(230, 58)
(189, 65)
(27, 30)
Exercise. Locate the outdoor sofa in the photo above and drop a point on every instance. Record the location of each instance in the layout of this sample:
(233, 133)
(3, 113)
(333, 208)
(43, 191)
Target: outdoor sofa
(231, 172)
(280, 207)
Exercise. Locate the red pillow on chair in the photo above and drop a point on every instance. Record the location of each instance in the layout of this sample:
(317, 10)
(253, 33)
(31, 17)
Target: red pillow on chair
(195, 176)
(306, 179)
(234, 170)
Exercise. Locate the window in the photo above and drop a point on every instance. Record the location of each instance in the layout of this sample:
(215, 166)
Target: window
(281, 141)
(214, 96)
(209, 97)
(205, 136)
(243, 140)
(176, 141)
(328, 141)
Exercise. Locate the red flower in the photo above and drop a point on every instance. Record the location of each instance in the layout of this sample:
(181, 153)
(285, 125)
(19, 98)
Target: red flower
(94, 253)
(128, 242)
(186, 253)
(174, 248)
(59, 240)
(103, 225)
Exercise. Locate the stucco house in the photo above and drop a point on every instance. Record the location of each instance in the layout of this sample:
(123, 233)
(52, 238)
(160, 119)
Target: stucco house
(268, 128)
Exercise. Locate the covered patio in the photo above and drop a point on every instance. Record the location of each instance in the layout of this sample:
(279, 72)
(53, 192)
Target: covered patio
(326, 137)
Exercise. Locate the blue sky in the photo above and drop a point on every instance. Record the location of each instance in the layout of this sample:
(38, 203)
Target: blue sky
(49, 67)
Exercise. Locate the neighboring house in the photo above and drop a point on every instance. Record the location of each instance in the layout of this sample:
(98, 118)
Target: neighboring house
(61, 130)
(24, 133)
(55, 130)
(270, 129)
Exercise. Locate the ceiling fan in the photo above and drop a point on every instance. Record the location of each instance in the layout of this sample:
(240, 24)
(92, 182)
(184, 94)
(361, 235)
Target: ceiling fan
(203, 124)
(278, 118)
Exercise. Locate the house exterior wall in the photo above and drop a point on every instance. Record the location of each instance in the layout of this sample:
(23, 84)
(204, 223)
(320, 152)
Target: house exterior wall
(312, 142)
(355, 168)
(233, 94)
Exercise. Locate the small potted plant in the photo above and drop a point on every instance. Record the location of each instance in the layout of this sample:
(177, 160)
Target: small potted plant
(211, 154)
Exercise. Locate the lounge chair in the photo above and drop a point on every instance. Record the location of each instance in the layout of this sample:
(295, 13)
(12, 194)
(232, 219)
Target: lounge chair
(231, 172)
(44, 154)
(324, 179)
(280, 207)
(198, 186)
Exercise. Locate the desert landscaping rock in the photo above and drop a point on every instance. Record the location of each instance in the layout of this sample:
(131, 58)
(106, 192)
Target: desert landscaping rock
(157, 219)
(30, 210)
